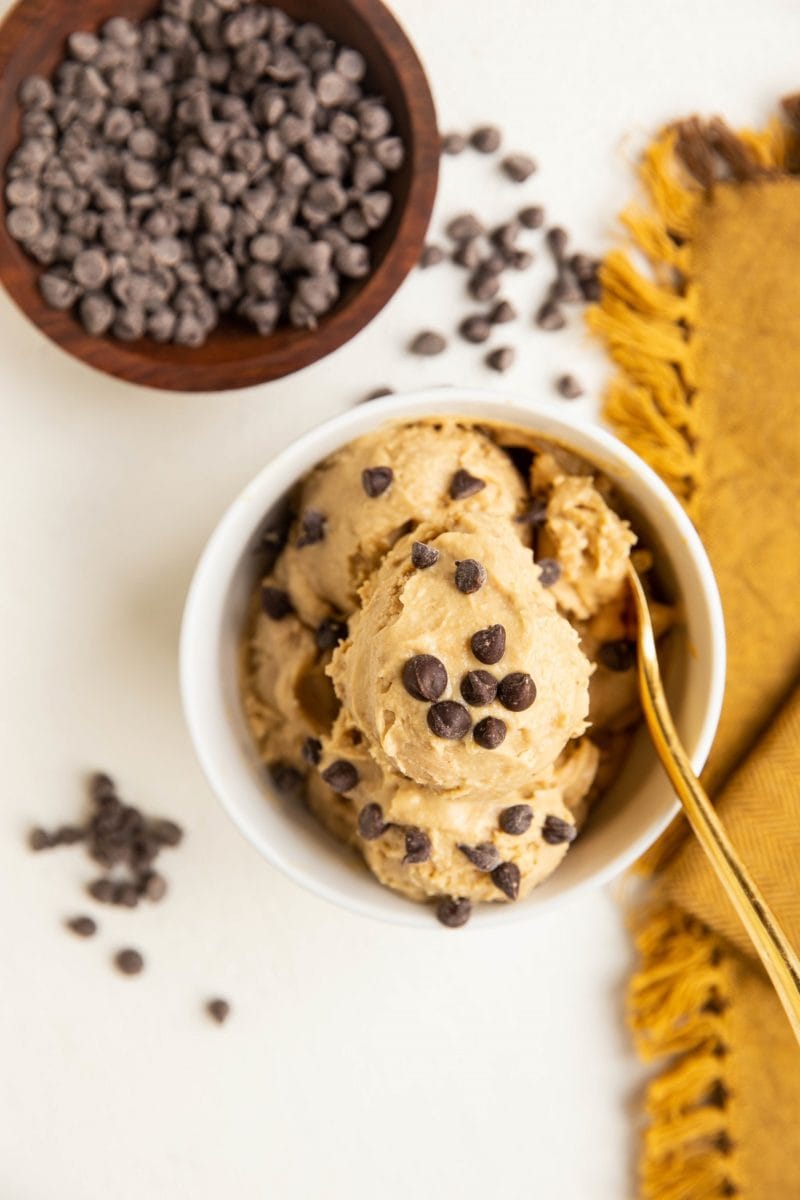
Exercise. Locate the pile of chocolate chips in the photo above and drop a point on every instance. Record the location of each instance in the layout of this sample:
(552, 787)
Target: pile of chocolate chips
(218, 157)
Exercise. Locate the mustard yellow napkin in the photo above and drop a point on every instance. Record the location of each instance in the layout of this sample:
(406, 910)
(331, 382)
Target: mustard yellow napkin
(707, 342)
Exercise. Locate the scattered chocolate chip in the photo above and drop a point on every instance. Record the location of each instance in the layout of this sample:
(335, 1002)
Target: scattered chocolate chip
(468, 254)
(501, 359)
(506, 877)
(502, 313)
(555, 831)
(154, 886)
(557, 239)
(566, 288)
(312, 751)
(549, 571)
(275, 603)
(219, 1010)
(517, 691)
(418, 846)
(371, 824)
(489, 645)
(448, 719)
(464, 228)
(287, 779)
(341, 776)
(329, 633)
(489, 733)
(167, 832)
(475, 329)
(84, 926)
(129, 962)
(39, 839)
(518, 167)
(453, 143)
(520, 260)
(463, 485)
(376, 480)
(424, 677)
(431, 256)
(516, 819)
(550, 317)
(486, 139)
(428, 343)
(531, 217)
(483, 284)
(378, 393)
(454, 911)
(312, 528)
(101, 786)
(478, 688)
(423, 556)
(617, 656)
(470, 575)
(101, 890)
(126, 895)
(484, 856)
(568, 387)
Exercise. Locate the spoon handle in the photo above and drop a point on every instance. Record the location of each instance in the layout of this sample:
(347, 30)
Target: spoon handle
(779, 959)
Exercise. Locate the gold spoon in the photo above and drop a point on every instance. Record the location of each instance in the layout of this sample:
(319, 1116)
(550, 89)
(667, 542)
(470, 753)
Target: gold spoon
(778, 957)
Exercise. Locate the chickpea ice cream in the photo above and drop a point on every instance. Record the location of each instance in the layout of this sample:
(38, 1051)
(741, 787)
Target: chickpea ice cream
(439, 658)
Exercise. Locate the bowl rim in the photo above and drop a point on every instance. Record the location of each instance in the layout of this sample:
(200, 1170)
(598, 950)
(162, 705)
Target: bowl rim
(242, 519)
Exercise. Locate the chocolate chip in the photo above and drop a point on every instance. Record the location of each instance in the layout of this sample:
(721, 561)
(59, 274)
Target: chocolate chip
(478, 688)
(431, 256)
(516, 819)
(448, 719)
(506, 877)
(312, 528)
(502, 312)
(329, 633)
(489, 733)
(219, 1010)
(428, 343)
(454, 911)
(568, 387)
(475, 329)
(531, 217)
(101, 890)
(418, 846)
(378, 393)
(520, 260)
(424, 677)
(489, 645)
(518, 167)
(126, 895)
(153, 886)
(550, 317)
(617, 656)
(535, 514)
(341, 776)
(166, 832)
(84, 926)
(67, 835)
(486, 139)
(566, 288)
(557, 239)
(453, 143)
(312, 751)
(517, 691)
(375, 480)
(463, 485)
(468, 254)
(464, 228)
(129, 962)
(423, 556)
(501, 359)
(470, 575)
(555, 831)
(483, 284)
(39, 839)
(287, 779)
(549, 571)
(371, 824)
(275, 603)
(484, 856)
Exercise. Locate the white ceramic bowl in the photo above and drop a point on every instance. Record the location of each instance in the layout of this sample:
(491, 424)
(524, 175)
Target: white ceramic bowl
(627, 819)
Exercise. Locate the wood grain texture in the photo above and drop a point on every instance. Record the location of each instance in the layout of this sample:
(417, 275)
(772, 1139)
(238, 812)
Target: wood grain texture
(32, 41)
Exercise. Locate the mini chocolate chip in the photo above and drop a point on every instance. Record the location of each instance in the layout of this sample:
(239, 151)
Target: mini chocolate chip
(617, 656)
(468, 254)
(475, 329)
(463, 485)
(464, 227)
(483, 284)
(448, 719)
(129, 962)
(101, 890)
(154, 886)
(101, 786)
(67, 835)
(531, 217)
(329, 633)
(424, 677)
(428, 343)
(275, 603)
(341, 776)
(489, 733)
(549, 571)
(557, 239)
(484, 856)
(556, 830)
(375, 480)
(431, 256)
(470, 575)
(568, 387)
(287, 779)
(489, 645)
(219, 1010)
(502, 312)
(501, 359)
(518, 167)
(454, 911)
(516, 819)
(478, 688)
(423, 556)
(550, 317)
(39, 839)
(486, 139)
(83, 926)
(517, 691)
(507, 878)
(312, 751)
(453, 143)
(371, 824)
(535, 514)
(418, 846)
(312, 528)
(166, 832)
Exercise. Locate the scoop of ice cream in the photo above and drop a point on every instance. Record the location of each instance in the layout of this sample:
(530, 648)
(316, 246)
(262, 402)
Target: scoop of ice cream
(354, 506)
(462, 674)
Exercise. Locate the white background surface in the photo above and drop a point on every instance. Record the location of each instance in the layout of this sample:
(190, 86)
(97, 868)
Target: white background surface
(361, 1061)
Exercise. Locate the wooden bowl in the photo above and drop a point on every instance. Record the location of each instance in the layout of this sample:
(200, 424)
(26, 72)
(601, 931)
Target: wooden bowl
(32, 43)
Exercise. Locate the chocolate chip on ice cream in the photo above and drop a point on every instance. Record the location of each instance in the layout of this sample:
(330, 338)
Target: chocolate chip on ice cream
(329, 633)
(424, 677)
(489, 732)
(454, 911)
(507, 878)
(423, 556)
(449, 719)
(376, 480)
(516, 819)
(371, 824)
(463, 484)
(312, 528)
(484, 856)
(517, 691)
(478, 688)
(470, 575)
(489, 645)
(275, 602)
(418, 846)
(287, 779)
(312, 751)
(549, 571)
(341, 776)
(556, 830)
(617, 656)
